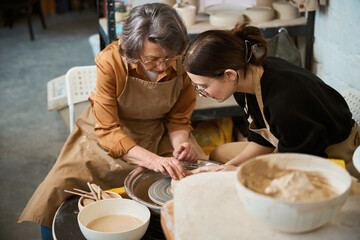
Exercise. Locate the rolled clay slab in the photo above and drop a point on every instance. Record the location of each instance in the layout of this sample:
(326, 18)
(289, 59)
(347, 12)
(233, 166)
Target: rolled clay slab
(201, 211)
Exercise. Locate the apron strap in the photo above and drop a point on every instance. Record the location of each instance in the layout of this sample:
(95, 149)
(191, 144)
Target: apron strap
(256, 76)
(266, 133)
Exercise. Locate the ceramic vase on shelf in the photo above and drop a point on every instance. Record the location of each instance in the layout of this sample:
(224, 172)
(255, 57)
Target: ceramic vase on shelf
(187, 12)
(192, 2)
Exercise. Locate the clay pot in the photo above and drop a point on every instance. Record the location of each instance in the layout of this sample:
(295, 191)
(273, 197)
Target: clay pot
(259, 14)
(226, 19)
(192, 2)
(284, 10)
(187, 12)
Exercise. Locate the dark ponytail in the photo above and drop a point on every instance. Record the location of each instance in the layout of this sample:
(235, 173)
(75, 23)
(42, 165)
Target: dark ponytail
(257, 55)
(214, 51)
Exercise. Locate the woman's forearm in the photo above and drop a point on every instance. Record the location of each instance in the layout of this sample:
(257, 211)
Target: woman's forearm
(178, 137)
(139, 156)
(251, 150)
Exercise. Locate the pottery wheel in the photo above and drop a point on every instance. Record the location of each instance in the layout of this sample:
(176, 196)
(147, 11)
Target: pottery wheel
(160, 191)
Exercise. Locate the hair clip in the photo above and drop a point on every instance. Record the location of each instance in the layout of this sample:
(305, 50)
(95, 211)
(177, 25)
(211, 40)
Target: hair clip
(246, 49)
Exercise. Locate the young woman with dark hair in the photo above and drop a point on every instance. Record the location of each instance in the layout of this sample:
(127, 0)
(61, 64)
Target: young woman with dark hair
(290, 109)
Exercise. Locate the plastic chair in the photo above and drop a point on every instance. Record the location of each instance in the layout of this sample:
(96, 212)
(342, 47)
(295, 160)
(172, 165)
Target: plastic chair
(352, 97)
(80, 84)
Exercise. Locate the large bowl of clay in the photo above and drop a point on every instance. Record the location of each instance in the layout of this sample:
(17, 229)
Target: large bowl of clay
(140, 180)
(291, 192)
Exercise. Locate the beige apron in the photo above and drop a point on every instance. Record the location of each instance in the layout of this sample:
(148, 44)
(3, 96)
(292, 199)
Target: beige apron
(82, 159)
(154, 101)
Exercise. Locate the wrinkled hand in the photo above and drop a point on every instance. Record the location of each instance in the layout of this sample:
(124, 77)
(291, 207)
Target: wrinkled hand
(214, 168)
(185, 152)
(168, 165)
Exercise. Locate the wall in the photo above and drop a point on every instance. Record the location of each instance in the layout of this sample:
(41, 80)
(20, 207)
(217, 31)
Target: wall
(337, 44)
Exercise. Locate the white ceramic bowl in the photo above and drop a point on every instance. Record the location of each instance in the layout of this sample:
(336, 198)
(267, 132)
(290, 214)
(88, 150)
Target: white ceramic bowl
(113, 207)
(295, 217)
(226, 19)
(226, 7)
(259, 14)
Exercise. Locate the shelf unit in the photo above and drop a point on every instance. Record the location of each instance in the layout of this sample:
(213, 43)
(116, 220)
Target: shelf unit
(107, 30)
(208, 108)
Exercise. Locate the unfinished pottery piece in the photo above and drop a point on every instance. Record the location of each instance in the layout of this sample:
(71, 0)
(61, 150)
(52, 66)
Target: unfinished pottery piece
(160, 191)
(187, 12)
(226, 19)
(226, 7)
(259, 14)
(191, 2)
(284, 10)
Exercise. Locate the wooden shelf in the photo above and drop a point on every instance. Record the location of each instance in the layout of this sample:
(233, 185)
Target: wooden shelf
(202, 24)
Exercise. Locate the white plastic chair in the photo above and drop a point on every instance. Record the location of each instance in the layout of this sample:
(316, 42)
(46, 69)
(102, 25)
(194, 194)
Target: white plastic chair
(80, 84)
(352, 97)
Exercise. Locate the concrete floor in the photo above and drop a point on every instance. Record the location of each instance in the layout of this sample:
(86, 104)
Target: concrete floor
(31, 137)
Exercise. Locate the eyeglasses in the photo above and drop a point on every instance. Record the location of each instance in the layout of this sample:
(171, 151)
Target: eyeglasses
(201, 91)
(156, 61)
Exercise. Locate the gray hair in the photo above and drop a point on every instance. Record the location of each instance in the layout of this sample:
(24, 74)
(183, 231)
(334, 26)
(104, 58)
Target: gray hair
(157, 22)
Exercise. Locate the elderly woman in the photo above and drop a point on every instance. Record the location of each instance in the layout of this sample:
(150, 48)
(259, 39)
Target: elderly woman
(290, 109)
(139, 114)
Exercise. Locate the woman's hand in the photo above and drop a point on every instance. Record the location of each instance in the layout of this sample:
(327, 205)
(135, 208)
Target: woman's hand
(168, 165)
(185, 152)
(214, 168)
(144, 158)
